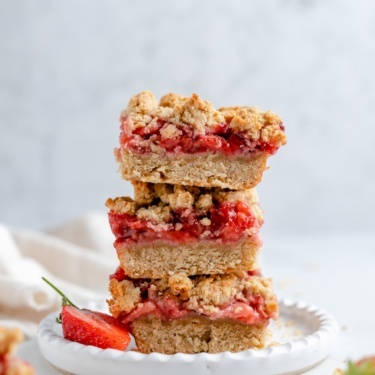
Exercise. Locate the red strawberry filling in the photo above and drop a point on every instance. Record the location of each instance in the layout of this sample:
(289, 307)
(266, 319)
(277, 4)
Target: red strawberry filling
(229, 222)
(248, 309)
(168, 309)
(3, 364)
(220, 138)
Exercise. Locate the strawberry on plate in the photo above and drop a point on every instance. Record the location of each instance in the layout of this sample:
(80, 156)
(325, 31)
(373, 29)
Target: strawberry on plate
(91, 327)
(365, 366)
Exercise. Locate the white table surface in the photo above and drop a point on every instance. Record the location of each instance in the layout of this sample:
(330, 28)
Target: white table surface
(334, 273)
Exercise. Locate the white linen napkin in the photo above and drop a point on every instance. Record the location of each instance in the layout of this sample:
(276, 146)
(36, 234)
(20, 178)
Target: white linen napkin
(77, 257)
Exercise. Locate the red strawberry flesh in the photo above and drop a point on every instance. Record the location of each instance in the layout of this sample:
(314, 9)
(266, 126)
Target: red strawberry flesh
(93, 328)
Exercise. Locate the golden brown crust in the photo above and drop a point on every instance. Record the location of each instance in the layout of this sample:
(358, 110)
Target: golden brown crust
(195, 335)
(202, 294)
(159, 259)
(200, 114)
(205, 169)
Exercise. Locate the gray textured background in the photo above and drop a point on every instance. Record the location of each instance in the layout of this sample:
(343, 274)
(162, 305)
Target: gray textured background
(68, 68)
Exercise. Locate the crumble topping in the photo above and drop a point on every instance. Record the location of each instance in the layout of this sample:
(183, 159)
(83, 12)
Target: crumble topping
(170, 131)
(156, 214)
(198, 113)
(123, 205)
(209, 293)
(180, 285)
(155, 202)
(176, 109)
(206, 294)
(204, 202)
(258, 125)
(200, 197)
(180, 199)
(126, 296)
(158, 190)
(206, 221)
(172, 100)
(144, 195)
(249, 195)
(140, 109)
(144, 110)
(143, 103)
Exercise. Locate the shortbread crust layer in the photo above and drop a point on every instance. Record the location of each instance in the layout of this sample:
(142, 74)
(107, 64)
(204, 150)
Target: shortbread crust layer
(196, 334)
(205, 169)
(161, 258)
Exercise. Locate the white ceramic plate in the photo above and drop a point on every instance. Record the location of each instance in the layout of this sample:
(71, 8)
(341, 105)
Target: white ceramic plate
(302, 338)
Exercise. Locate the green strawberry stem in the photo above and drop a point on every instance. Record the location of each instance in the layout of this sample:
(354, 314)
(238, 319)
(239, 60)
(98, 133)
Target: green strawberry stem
(65, 300)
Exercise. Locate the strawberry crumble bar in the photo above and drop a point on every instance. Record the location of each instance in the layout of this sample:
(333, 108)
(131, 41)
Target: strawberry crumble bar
(185, 140)
(170, 229)
(9, 363)
(209, 313)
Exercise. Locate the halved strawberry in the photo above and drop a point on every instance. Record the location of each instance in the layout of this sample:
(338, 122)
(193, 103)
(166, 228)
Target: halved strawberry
(91, 327)
(365, 366)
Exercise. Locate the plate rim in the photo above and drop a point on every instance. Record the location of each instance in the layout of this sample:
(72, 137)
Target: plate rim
(326, 332)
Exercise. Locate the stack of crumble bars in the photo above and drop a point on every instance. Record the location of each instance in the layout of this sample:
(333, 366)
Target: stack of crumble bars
(188, 243)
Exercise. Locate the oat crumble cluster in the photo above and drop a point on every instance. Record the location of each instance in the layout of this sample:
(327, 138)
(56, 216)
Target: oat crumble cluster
(188, 242)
